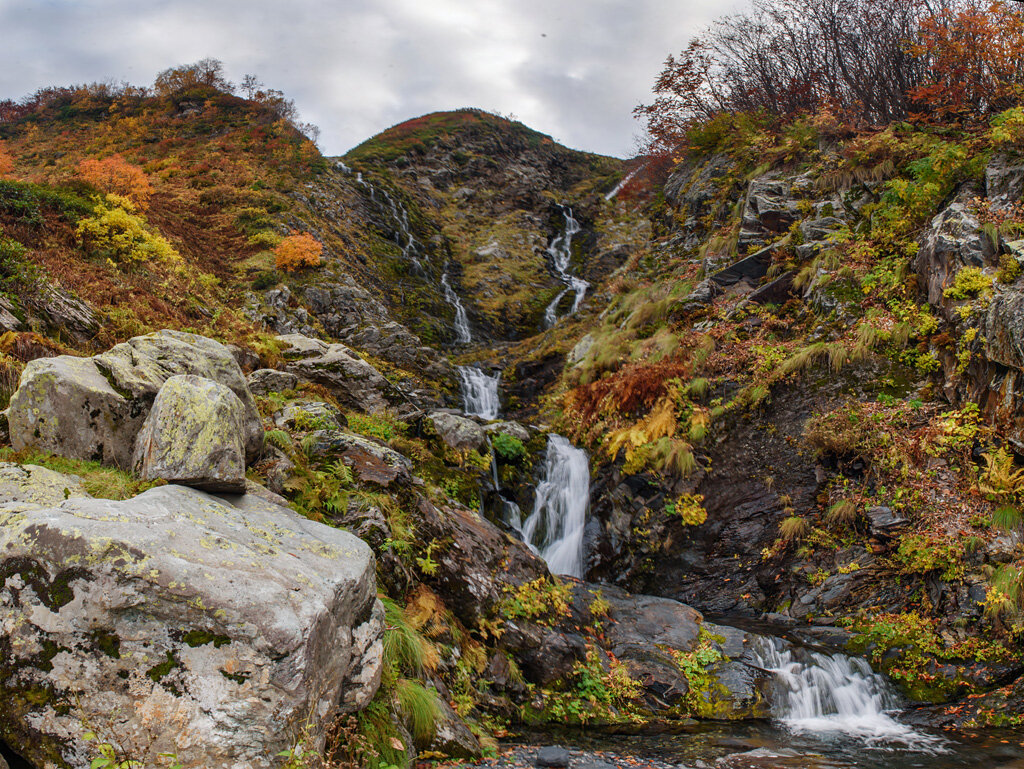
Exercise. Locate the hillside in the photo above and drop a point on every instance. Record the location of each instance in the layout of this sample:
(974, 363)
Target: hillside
(776, 387)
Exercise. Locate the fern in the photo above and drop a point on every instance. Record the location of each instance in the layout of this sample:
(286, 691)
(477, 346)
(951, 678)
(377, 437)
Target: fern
(279, 439)
(1000, 477)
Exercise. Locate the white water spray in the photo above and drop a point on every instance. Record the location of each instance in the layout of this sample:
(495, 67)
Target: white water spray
(480, 392)
(618, 187)
(837, 693)
(554, 529)
(560, 252)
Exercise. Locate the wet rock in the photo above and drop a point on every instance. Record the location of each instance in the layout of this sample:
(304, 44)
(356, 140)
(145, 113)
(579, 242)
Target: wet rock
(193, 436)
(458, 432)
(883, 521)
(552, 756)
(771, 207)
(1004, 181)
(371, 461)
(513, 429)
(267, 380)
(954, 240)
(226, 621)
(357, 383)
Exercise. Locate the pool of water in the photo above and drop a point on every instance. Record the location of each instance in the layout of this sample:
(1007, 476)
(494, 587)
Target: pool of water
(762, 744)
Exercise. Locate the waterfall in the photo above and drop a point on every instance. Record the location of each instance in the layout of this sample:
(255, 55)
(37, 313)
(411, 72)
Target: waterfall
(560, 252)
(836, 693)
(554, 529)
(462, 332)
(479, 392)
(411, 250)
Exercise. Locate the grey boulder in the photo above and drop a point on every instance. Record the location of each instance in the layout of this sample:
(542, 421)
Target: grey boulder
(193, 436)
(458, 432)
(93, 408)
(267, 380)
(214, 629)
(358, 384)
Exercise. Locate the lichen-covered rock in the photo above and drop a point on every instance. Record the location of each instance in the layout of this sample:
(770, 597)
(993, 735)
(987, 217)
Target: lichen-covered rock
(1004, 181)
(771, 207)
(338, 368)
(93, 408)
(513, 429)
(176, 622)
(306, 416)
(458, 431)
(267, 380)
(452, 738)
(193, 436)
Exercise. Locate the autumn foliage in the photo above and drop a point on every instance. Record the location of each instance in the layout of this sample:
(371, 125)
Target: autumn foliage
(116, 175)
(297, 251)
(6, 161)
(868, 62)
(975, 60)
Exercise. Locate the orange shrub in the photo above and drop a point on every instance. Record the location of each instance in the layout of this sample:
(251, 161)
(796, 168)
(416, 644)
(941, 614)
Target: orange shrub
(6, 161)
(297, 251)
(115, 174)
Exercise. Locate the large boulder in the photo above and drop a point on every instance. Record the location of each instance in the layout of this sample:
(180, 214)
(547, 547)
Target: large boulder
(214, 629)
(358, 384)
(193, 435)
(93, 408)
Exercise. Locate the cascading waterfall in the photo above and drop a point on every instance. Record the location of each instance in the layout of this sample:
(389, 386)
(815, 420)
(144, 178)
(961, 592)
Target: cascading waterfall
(411, 250)
(479, 392)
(462, 333)
(554, 529)
(560, 252)
(836, 693)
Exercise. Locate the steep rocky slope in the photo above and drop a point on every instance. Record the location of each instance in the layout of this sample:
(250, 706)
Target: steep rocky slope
(794, 368)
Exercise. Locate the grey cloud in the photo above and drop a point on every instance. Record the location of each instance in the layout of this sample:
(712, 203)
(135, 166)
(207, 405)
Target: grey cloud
(573, 69)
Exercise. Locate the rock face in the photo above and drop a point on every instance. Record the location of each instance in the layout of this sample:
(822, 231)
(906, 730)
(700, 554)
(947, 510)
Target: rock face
(458, 432)
(93, 408)
(193, 436)
(227, 623)
(335, 366)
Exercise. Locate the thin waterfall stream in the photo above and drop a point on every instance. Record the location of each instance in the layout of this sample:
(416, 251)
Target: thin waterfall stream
(398, 217)
(560, 252)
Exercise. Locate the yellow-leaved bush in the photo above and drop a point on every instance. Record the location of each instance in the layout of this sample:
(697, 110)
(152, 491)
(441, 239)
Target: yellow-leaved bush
(115, 231)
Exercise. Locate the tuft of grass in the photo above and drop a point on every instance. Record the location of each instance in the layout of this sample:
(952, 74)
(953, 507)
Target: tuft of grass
(842, 512)
(1006, 518)
(420, 707)
(794, 528)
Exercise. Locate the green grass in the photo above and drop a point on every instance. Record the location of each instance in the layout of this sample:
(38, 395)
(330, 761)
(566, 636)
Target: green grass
(99, 480)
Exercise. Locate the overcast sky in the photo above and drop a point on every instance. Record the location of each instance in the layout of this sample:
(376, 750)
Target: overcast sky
(570, 68)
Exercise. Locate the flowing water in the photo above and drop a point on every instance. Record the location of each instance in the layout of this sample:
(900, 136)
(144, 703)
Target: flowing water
(462, 333)
(836, 693)
(554, 529)
(479, 392)
(398, 220)
(618, 187)
(560, 252)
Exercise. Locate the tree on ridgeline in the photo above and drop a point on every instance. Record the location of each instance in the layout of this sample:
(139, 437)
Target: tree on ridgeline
(868, 62)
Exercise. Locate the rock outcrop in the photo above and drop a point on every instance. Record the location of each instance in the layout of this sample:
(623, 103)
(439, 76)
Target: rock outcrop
(356, 383)
(93, 408)
(214, 629)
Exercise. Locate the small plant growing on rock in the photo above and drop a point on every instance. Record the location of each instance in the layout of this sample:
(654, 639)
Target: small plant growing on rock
(794, 528)
(542, 600)
(509, 448)
(689, 508)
